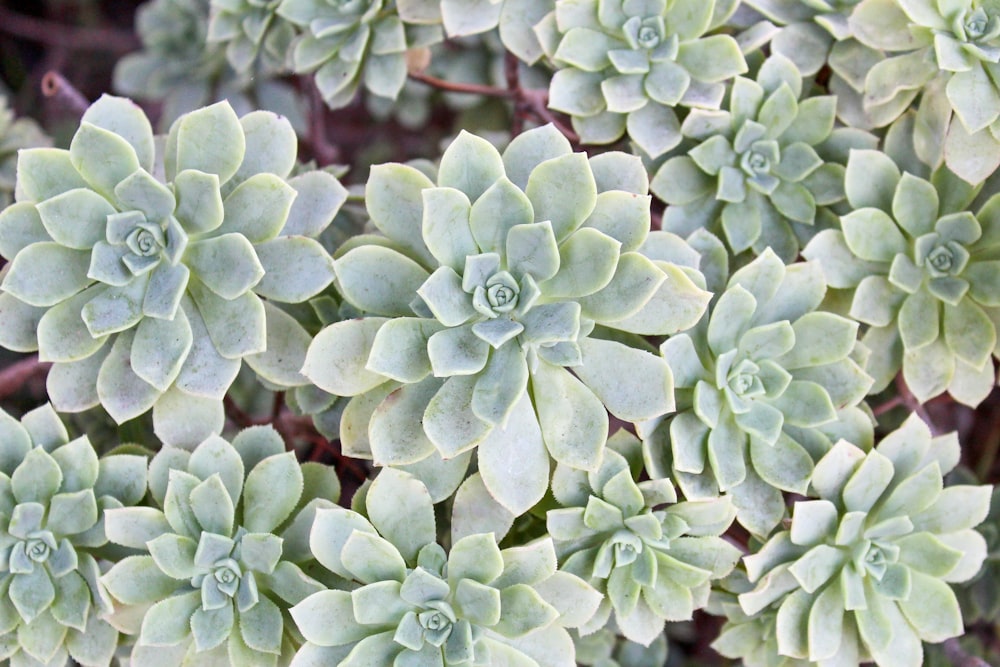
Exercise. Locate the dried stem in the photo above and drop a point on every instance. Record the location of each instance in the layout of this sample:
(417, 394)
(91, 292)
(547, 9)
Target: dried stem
(20, 372)
(911, 402)
(892, 403)
(56, 87)
(954, 652)
(324, 152)
(57, 34)
(453, 87)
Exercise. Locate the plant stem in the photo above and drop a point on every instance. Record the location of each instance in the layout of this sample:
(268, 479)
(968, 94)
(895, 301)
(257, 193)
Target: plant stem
(57, 34)
(954, 652)
(17, 374)
(911, 402)
(56, 87)
(469, 88)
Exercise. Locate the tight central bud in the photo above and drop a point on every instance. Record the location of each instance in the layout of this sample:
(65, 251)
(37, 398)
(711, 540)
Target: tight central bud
(498, 296)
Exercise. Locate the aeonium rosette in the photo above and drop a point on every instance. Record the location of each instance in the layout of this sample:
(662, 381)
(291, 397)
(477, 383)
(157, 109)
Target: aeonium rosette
(141, 275)
(490, 288)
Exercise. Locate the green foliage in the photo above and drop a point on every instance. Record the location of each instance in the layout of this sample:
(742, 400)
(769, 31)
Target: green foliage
(410, 602)
(624, 66)
(147, 294)
(864, 569)
(651, 565)
(607, 387)
(222, 557)
(53, 493)
(763, 390)
(488, 287)
(15, 134)
(923, 275)
(756, 172)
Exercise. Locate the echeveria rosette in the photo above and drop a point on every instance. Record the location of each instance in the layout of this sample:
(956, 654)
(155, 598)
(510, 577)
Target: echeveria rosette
(147, 294)
(624, 65)
(652, 557)
(808, 29)
(514, 19)
(863, 571)
(52, 495)
(947, 53)
(15, 134)
(252, 33)
(225, 557)
(179, 68)
(924, 275)
(763, 391)
(754, 173)
(752, 638)
(347, 44)
(606, 648)
(414, 604)
(490, 287)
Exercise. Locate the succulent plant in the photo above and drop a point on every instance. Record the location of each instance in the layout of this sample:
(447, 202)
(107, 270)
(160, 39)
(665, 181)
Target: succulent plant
(946, 54)
(754, 172)
(179, 67)
(623, 66)
(605, 648)
(350, 43)
(763, 390)
(148, 295)
(484, 295)
(924, 276)
(53, 494)
(514, 19)
(415, 604)
(750, 638)
(863, 571)
(224, 558)
(809, 30)
(252, 33)
(15, 134)
(652, 557)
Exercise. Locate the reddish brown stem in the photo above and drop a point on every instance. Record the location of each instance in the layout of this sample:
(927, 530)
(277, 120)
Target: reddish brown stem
(911, 402)
(56, 87)
(20, 372)
(453, 87)
(57, 34)
(958, 657)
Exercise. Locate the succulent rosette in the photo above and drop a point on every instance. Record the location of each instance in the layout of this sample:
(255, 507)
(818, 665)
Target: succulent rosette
(760, 172)
(252, 33)
(15, 134)
(224, 558)
(605, 648)
(180, 68)
(52, 540)
(763, 389)
(863, 572)
(624, 65)
(147, 294)
(514, 20)
(652, 557)
(750, 638)
(350, 43)
(482, 305)
(948, 54)
(924, 275)
(415, 604)
(810, 30)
